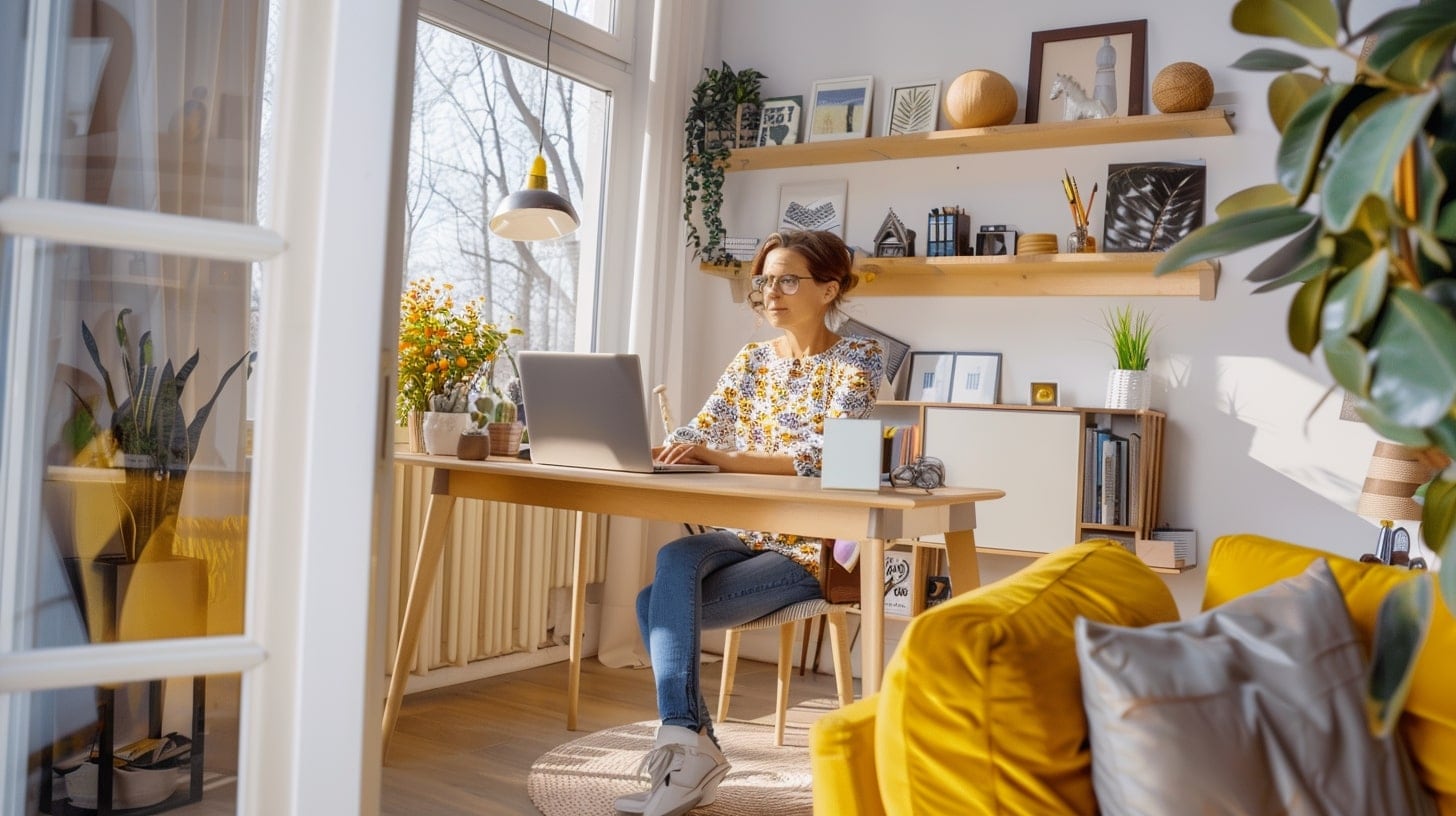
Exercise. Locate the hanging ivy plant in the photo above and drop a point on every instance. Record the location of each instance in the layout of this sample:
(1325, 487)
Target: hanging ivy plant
(710, 129)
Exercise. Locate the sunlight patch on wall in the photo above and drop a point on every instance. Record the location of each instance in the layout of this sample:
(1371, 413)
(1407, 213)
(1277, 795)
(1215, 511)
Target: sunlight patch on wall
(1318, 451)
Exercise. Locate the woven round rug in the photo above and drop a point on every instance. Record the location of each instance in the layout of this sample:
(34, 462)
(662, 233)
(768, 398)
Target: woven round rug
(584, 776)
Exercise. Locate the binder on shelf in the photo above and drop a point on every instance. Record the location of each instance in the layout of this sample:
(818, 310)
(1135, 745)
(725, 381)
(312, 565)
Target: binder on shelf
(1134, 479)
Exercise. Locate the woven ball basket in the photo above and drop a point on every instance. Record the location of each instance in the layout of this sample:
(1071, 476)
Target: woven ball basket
(1182, 87)
(980, 99)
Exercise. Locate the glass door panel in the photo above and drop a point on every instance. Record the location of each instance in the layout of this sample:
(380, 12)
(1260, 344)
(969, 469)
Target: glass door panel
(150, 105)
(171, 744)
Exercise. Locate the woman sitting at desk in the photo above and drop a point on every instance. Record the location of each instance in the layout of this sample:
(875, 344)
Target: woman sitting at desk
(765, 416)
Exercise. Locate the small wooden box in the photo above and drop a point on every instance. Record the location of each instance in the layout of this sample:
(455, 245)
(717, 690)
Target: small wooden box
(1173, 549)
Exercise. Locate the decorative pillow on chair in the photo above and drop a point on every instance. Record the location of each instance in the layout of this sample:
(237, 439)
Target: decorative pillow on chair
(1254, 707)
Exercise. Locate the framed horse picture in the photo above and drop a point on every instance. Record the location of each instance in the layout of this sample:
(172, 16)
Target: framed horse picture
(1087, 72)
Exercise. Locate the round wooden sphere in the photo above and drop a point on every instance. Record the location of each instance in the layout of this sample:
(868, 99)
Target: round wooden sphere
(980, 99)
(1182, 87)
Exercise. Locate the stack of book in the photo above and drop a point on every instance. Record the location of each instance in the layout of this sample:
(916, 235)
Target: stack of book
(949, 233)
(1110, 477)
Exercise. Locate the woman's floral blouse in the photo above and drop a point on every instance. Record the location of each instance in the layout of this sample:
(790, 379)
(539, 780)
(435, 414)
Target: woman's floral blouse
(770, 404)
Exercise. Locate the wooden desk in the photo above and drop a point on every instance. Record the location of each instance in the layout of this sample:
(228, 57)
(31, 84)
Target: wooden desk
(747, 501)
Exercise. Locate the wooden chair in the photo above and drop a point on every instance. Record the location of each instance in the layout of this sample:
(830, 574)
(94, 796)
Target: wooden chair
(786, 620)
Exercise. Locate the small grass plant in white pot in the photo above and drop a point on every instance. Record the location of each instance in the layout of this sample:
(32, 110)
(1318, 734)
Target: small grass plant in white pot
(1129, 385)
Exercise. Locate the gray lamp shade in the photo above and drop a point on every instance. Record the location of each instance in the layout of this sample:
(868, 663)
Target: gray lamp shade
(534, 213)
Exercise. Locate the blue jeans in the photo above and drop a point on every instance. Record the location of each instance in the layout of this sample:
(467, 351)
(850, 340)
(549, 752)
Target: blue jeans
(711, 580)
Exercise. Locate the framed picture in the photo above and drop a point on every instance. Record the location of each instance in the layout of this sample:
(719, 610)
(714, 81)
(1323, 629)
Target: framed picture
(779, 119)
(895, 350)
(1098, 63)
(817, 205)
(1045, 393)
(1152, 205)
(930, 375)
(913, 108)
(996, 242)
(976, 378)
(840, 108)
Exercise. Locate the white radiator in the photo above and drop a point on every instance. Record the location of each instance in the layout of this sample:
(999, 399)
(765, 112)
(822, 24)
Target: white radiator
(501, 562)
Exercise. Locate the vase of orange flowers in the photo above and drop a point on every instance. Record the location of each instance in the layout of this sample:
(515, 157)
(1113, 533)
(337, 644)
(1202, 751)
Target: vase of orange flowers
(443, 345)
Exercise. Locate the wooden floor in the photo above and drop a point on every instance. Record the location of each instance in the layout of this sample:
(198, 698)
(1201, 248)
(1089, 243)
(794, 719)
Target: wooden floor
(466, 750)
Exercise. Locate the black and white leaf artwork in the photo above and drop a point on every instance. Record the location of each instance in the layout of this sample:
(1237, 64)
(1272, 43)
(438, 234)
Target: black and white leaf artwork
(913, 110)
(815, 215)
(1151, 206)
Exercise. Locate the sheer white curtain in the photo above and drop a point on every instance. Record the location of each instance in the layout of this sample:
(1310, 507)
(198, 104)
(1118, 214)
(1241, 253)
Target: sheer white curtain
(678, 37)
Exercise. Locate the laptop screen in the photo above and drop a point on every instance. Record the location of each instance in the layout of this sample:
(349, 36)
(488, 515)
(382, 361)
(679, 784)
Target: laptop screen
(586, 410)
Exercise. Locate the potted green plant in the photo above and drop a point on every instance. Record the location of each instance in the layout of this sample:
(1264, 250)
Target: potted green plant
(447, 419)
(149, 435)
(1365, 200)
(711, 131)
(504, 429)
(1129, 385)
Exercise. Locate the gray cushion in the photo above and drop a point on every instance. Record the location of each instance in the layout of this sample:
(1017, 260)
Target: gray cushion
(1254, 707)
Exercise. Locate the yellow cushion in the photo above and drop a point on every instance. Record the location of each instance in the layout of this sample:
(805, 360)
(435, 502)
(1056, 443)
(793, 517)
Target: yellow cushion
(842, 754)
(981, 710)
(1243, 563)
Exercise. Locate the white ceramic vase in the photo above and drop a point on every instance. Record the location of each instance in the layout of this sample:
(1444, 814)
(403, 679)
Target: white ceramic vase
(442, 432)
(1129, 389)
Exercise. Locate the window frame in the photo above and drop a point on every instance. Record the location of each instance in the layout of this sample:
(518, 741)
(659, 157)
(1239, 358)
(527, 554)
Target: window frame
(610, 235)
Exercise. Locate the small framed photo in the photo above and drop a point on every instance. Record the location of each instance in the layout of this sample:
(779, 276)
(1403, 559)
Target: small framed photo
(815, 205)
(930, 376)
(779, 119)
(976, 378)
(996, 242)
(840, 108)
(1104, 64)
(1045, 393)
(913, 108)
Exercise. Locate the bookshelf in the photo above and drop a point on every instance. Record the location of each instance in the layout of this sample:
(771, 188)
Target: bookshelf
(1040, 457)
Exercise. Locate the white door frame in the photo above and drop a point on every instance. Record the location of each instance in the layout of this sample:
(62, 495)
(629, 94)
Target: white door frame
(310, 653)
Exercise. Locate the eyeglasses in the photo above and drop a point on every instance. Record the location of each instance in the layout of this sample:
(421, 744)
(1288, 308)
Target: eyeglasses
(786, 284)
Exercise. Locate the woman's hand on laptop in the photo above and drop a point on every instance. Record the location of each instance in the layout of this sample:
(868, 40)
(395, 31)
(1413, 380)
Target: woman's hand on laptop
(682, 453)
(727, 461)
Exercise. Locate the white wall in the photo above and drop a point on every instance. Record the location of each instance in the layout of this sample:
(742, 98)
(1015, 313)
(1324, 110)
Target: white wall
(1239, 455)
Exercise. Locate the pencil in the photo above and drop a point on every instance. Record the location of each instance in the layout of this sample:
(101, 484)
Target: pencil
(1091, 198)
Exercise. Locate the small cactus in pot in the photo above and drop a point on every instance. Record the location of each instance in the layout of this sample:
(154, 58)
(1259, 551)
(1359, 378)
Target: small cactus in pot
(475, 439)
(505, 431)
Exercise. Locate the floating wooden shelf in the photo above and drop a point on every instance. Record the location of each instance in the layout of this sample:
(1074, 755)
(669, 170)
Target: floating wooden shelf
(1097, 274)
(1037, 136)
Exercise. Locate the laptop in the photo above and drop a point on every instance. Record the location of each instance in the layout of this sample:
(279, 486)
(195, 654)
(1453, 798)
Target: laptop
(589, 411)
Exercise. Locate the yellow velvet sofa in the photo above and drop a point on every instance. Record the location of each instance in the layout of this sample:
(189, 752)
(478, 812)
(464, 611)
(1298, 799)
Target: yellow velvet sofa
(981, 708)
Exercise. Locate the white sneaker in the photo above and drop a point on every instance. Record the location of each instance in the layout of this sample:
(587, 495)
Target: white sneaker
(684, 767)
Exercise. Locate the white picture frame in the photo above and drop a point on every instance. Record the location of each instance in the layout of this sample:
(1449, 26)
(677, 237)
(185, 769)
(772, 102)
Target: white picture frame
(780, 119)
(930, 377)
(976, 378)
(840, 109)
(817, 205)
(913, 108)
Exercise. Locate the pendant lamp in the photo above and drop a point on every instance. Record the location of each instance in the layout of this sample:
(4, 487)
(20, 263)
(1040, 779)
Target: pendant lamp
(535, 213)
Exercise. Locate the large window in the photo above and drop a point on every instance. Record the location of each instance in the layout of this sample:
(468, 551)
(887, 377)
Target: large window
(477, 122)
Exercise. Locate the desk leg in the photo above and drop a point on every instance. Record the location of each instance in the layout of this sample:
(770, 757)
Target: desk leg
(872, 614)
(427, 566)
(578, 621)
(965, 567)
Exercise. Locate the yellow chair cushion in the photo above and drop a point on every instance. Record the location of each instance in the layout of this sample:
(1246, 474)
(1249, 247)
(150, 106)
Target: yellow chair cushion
(1240, 564)
(981, 709)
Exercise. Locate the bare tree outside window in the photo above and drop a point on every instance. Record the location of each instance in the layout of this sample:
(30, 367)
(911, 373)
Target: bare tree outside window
(476, 122)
